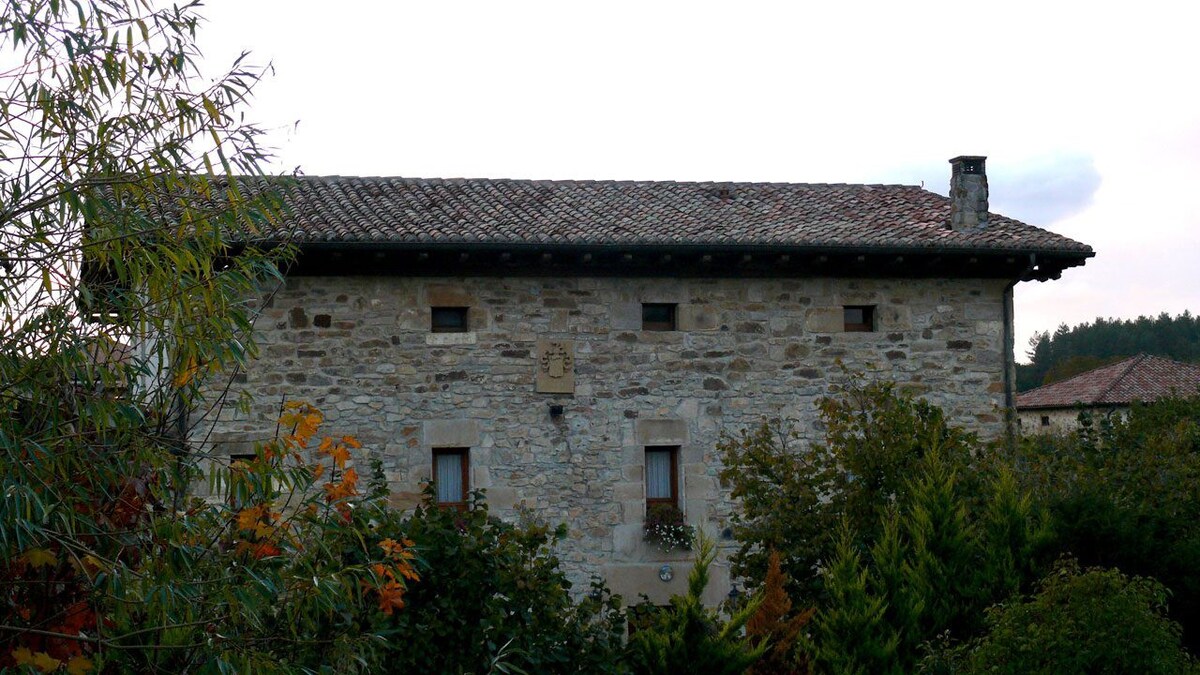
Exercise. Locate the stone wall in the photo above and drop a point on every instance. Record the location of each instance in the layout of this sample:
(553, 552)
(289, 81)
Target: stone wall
(361, 350)
(1058, 420)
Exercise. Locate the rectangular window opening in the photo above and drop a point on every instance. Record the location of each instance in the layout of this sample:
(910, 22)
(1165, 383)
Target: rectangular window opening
(662, 475)
(451, 477)
(858, 318)
(1045, 420)
(448, 319)
(658, 316)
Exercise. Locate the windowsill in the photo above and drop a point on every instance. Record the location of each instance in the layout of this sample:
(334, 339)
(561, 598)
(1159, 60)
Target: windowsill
(450, 339)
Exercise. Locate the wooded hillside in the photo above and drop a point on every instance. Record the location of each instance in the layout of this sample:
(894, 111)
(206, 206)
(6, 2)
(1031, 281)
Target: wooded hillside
(1070, 351)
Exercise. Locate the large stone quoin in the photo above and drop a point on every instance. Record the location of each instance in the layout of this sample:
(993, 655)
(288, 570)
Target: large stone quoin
(551, 341)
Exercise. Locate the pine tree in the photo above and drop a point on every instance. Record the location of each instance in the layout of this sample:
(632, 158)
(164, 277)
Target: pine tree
(851, 633)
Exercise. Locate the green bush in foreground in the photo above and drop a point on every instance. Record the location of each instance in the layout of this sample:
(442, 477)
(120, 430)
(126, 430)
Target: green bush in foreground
(1091, 621)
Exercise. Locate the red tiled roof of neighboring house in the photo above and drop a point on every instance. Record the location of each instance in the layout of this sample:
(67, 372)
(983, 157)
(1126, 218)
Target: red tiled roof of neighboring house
(345, 209)
(1140, 378)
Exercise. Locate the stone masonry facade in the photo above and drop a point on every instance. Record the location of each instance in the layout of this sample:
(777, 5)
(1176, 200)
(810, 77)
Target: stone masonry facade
(360, 348)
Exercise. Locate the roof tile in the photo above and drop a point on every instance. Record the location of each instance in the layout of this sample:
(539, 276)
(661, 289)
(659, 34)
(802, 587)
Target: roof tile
(340, 209)
(1140, 378)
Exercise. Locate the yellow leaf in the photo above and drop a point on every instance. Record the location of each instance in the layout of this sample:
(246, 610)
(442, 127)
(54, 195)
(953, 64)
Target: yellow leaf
(45, 663)
(22, 656)
(212, 110)
(79, 665)
(37, 557)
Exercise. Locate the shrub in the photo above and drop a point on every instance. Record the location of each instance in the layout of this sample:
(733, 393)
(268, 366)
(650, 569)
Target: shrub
(687, 638)
(1091, 621)
(492, 592)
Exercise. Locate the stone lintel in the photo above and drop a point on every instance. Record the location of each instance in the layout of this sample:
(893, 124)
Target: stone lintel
(451, 433)
(438, 295)
(661, 432)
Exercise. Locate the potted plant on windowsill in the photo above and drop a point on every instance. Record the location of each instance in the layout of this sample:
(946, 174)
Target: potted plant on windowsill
(666, 528)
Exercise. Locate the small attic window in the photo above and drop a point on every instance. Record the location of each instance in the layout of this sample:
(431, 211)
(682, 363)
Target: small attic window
(448, 319)
(858, 318)
(658, 316)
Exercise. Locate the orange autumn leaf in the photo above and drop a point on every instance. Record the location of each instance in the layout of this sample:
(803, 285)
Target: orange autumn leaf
(340, 455)
(249, 518)
(345, 488)
(265, 549)
(352, 442)
(381, 571)
(391, 597)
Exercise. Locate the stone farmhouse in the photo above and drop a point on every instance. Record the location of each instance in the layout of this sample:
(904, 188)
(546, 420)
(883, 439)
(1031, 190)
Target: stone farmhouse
(576, 348)
(1104, 391)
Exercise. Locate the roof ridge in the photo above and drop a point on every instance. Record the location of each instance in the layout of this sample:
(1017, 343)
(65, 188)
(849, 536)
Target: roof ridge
(1117, 380)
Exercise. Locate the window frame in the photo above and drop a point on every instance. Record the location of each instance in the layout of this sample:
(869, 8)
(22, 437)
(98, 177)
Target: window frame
(673, 451)
(1045, 420)
(867, 325)
(465, 464)
(464, 312)
(670, 324)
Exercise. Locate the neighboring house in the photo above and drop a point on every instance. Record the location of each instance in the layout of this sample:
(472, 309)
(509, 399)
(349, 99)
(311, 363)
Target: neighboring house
(1109, 390)
(577, 348)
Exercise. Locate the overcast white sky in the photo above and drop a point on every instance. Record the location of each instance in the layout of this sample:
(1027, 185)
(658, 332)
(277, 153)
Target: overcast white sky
(1089, 113)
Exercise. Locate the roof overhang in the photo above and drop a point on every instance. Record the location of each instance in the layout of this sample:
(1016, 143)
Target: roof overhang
(390, 258)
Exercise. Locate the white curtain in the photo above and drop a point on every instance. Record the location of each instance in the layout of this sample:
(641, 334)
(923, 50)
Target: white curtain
(658, 474)
(449, 477)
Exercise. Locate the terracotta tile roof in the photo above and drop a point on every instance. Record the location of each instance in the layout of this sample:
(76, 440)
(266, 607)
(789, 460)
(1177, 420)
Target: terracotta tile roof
(1141, 378)
(353, 210)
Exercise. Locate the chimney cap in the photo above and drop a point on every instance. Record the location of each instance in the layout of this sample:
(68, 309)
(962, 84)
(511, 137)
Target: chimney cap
(969, 164)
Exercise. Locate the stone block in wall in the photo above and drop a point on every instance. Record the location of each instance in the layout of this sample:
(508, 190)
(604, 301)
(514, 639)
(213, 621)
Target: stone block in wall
(892, 317)
(700, 487)
(825, 320)
(660, 432)
(404, 500)
(625, 315)
(627, 539)
(696, 318)
(627, 491)
(501, 497)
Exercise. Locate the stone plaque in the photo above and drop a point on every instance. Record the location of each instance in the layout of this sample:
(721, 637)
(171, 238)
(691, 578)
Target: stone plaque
(449, 339)
(555, 367)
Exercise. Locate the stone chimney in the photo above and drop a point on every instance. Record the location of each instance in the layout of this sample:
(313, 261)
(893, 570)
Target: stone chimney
(968, 193)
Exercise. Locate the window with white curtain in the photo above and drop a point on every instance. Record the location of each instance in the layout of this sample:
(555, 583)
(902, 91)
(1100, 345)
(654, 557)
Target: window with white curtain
(661, 481)
(450, 471)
